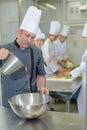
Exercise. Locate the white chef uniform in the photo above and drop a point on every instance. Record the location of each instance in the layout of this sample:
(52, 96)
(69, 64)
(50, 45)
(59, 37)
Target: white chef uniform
(61, 48)
(48, 49)
(81, 70)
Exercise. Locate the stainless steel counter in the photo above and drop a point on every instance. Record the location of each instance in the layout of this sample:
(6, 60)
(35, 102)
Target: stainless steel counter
(64, 88)
(48, 121)
(63, 85)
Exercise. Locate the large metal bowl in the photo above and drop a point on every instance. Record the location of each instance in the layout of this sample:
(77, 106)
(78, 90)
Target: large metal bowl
(29, 105)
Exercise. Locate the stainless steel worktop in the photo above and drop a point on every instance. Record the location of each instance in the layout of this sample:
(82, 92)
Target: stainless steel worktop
(48, 121)
(63, 85)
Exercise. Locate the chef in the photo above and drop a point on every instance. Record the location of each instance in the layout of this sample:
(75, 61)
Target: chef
(48, 50)
(39, 39)
(29, 55)
(81, 70)
(61, 47)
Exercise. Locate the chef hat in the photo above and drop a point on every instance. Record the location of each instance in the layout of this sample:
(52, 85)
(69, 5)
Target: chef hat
(65, 30)
(43, 36)
(54, 27)
(40, 35)
(84, 33)
(31, 20)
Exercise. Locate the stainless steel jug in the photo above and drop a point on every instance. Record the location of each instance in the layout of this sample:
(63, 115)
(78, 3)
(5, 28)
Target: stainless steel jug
(11, 65)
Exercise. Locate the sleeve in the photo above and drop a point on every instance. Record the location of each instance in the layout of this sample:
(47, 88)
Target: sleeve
(46, 55)
(53, 66)
(76, 72)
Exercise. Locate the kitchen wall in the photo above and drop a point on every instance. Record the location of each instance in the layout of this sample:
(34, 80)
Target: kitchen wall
(9, 20)
(11, 15)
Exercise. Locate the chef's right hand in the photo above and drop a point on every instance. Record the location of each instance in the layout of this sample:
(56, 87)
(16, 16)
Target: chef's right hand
(4, 53)
(62, 70)
(67, 73)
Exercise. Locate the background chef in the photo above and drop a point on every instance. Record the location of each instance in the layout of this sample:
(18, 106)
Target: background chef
(81, 70)
(48, 49)
(61, 46)
(39, 39)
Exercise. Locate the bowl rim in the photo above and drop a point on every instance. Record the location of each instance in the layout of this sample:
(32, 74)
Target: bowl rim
(10, 102)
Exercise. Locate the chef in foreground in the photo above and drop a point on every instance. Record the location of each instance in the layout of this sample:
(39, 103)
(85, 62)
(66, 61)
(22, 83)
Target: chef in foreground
(81, 70)
(30, 56)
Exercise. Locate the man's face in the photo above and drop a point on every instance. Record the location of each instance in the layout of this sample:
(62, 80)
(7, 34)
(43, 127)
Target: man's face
(62, 38)
(25, 38)
(52, 37)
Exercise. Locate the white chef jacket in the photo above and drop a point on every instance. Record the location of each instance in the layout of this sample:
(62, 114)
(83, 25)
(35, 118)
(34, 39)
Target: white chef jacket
(48, 51)
(60, 49)
(81, 97)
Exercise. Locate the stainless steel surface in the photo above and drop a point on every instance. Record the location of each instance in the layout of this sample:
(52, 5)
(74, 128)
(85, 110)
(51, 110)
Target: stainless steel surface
(48, 121)
(64, 88)
(30, 105)
(11, 65)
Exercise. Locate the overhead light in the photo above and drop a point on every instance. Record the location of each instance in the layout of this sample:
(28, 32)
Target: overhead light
(42, 7)
(50, 6)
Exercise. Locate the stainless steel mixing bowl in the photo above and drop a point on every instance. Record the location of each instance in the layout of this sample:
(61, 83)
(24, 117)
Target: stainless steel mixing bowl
(29, 105)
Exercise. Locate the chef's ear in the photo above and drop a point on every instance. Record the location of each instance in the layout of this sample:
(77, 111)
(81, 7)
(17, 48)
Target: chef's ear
(19, 31)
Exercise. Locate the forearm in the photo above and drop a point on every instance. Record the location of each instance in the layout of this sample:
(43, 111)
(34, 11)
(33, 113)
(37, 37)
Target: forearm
(41, 82)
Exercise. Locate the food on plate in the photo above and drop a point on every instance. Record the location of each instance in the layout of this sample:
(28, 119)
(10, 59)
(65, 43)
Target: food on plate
(68, 65)
(63, 76)
(59, 76)
(67, 76)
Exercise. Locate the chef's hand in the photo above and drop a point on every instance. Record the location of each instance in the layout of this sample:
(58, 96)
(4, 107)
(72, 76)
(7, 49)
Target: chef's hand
(67, 73)
(60, 62)
(4, 53)
(68, 60)
(44, 91)
(62, 70)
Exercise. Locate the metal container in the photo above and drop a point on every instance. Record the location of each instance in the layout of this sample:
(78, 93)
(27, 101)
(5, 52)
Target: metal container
(11, 65)
(29, 105)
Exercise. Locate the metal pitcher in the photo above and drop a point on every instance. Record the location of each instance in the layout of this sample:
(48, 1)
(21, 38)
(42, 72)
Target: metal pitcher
(11, 65)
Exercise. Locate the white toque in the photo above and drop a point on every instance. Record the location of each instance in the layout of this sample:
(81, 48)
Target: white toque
(31, 20)
(54, 27)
